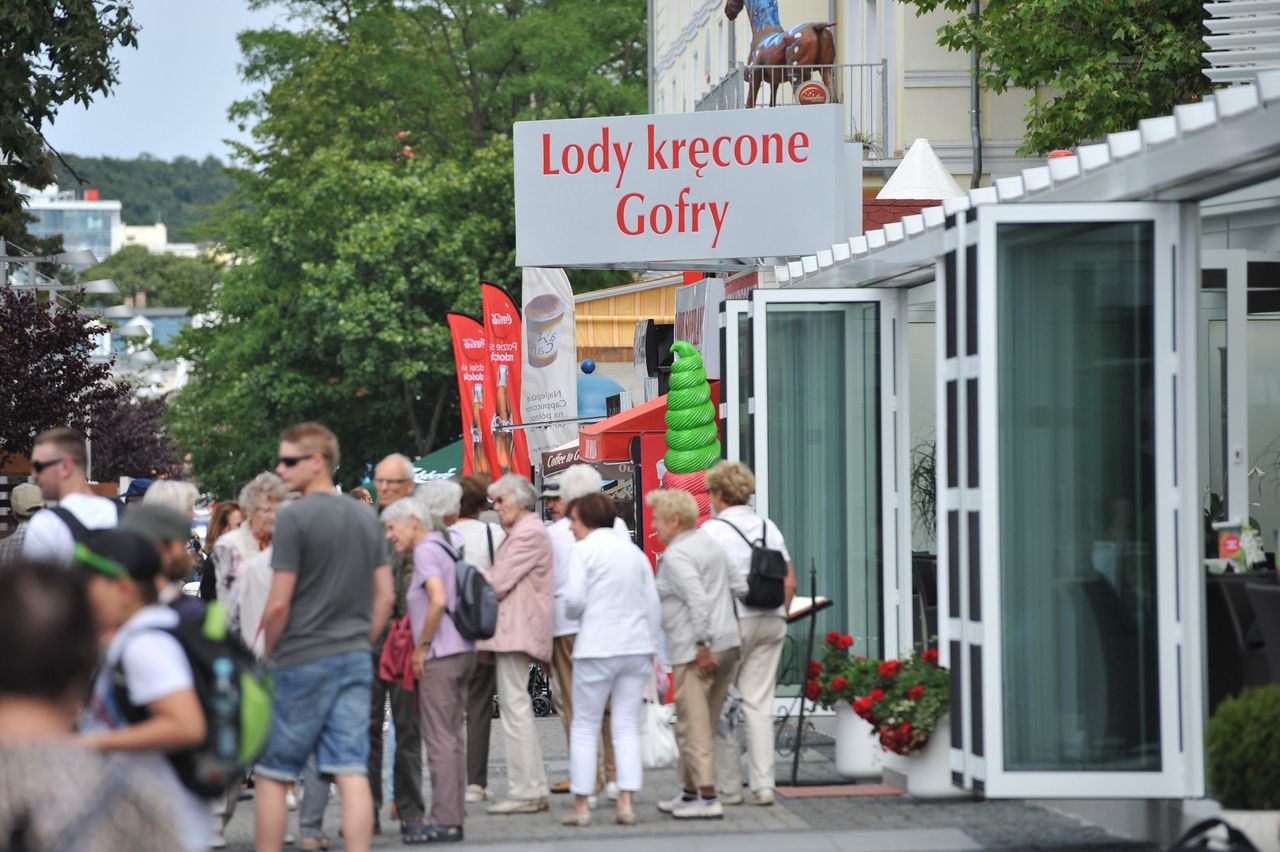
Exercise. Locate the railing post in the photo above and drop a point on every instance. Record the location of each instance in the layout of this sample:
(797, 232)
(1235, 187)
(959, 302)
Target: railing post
(884, 108)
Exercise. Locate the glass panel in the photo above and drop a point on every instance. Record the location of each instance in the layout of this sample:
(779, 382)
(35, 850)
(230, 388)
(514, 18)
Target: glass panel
(1077, 498)
(1263, 332)
(746, 426)
(823, 373)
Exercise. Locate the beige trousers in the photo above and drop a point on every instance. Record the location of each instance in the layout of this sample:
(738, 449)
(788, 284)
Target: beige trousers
(761, 649)
(698, 704)
(526, 773)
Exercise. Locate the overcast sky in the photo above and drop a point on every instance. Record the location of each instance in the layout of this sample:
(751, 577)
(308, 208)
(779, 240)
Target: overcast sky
(174, 88)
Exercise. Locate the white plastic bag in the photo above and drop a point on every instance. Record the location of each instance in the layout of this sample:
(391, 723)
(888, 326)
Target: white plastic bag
(657, 731)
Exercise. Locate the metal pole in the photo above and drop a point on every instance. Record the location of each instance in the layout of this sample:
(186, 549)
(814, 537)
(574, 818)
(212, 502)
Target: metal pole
(813, 627)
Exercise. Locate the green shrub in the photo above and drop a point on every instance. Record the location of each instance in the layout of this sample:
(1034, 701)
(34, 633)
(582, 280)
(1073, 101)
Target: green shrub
(1244, 750)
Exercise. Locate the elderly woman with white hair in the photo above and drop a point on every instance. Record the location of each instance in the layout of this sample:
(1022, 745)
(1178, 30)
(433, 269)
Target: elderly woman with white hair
(523, 578)
(442, 659)
(259, 500)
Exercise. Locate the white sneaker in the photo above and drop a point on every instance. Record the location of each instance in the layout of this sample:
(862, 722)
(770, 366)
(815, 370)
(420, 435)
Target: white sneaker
(291, 801)
(669, 805)
(699, 809)
(728, 799)
(476, 793)
(593, 802)
(218, 841)
(611, 791)
(762, 797)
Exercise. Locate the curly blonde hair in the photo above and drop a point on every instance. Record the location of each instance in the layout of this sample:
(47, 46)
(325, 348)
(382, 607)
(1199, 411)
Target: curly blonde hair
(670, 504)
(733, 481)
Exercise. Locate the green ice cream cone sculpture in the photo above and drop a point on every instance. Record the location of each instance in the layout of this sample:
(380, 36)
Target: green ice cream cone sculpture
(692, 442)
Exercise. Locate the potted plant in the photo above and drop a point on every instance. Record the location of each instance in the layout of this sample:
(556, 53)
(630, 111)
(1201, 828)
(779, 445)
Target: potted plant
(1244, 763)
(908, 706)
(835, 683)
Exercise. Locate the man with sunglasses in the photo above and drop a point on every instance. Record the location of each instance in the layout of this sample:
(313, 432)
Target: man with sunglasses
(58, 466)
(330, 596)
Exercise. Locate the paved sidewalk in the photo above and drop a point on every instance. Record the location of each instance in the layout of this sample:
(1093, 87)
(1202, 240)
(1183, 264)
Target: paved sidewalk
(888, 823)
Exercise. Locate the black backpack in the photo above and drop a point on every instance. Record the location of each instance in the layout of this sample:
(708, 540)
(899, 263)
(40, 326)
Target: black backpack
(766, 580)
(235, 695)
(475, 613)
(1199, 836)
(79, 532)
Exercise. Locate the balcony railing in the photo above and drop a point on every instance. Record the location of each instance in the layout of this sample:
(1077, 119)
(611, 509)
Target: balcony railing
(863, 90)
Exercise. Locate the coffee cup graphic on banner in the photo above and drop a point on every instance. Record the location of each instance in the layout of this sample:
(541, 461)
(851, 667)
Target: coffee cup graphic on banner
(542, 318)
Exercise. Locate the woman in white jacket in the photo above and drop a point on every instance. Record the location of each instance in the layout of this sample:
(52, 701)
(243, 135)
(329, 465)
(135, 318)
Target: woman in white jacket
(612, 591)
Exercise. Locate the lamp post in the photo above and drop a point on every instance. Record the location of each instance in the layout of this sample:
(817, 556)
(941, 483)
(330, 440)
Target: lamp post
(78, 257)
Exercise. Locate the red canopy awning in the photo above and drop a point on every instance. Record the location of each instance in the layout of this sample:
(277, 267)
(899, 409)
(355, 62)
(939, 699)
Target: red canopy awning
(610, 440)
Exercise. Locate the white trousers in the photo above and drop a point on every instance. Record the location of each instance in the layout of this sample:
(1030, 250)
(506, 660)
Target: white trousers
(595, 680)
(761, 650)
(526, 773)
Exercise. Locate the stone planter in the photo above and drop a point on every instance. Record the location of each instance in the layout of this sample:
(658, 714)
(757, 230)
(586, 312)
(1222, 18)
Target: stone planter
(857, 750)
(929, 770)
(1261, 827)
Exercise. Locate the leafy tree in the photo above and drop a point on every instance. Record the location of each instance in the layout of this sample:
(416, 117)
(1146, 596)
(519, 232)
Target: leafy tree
(166, 279)
(180, 193)
(52, 53)
(129, 439)
(48, 376)
(376, 195)
(1095, 67)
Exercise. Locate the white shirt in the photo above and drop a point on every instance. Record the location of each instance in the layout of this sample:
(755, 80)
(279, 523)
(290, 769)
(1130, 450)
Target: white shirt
(475, 540)
(155, 666)
(250, 599)
(562, 544)
(611, 590)
(739, 551)
(48, 537)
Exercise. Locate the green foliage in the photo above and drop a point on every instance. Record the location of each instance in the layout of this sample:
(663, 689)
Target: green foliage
(1107, 64)
(167, 280)
(1243, 745)
(179, 193)
(377, 193)
(54, 53)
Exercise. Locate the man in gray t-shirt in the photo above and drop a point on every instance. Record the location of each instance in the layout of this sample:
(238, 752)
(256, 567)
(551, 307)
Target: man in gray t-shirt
(330, 596)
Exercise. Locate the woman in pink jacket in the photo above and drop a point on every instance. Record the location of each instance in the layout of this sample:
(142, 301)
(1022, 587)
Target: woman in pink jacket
(523, 577)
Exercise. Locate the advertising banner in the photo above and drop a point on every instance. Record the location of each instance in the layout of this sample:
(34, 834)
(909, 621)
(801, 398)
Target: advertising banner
(698, 320)
(502, 379)
(699, 186)
(550, 381)
(471, 356)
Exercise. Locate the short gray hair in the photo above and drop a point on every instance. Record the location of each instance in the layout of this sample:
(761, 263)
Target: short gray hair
(579, 481)
(265, 484)
(404, 461)
(403, 510)
(515, 485)
(439, 498)
(173, 493)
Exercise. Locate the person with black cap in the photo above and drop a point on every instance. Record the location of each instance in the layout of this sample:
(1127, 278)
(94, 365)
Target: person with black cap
(125, 579)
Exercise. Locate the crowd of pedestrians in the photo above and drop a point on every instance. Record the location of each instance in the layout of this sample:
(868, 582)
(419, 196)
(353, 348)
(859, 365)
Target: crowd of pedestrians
(353, 610)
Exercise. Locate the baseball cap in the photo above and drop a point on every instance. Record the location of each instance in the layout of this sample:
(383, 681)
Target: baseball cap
(137, 488)
(157, 522)
(25, 499)
(550, 488)
(119, 554)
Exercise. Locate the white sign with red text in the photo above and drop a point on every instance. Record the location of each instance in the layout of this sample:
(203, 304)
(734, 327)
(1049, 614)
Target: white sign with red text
(728, 184)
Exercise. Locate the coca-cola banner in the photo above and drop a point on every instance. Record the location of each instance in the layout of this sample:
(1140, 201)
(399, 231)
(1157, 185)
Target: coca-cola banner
(550, 359)
(502, 330)
(471, 354)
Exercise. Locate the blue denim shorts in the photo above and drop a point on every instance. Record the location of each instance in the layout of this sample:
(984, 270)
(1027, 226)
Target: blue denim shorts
(321, 707)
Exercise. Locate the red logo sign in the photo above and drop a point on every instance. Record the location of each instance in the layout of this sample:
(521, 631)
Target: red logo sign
(812, 92)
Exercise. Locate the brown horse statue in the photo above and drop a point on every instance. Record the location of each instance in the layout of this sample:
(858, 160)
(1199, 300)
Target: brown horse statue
(779, 55)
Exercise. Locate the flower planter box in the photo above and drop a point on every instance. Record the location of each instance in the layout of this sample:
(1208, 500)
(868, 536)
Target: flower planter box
(1261, 827)
(857, 751)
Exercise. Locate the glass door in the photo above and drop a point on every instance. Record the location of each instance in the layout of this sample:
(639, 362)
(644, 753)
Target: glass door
(1072, 437)
(735, 356)
(825, 439)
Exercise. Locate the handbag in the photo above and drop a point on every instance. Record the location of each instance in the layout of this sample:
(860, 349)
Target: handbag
(1200, 836)
(658, 748)
(394, 662)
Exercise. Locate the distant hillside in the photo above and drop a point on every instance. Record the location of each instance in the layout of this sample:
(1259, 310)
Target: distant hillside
(177, 193)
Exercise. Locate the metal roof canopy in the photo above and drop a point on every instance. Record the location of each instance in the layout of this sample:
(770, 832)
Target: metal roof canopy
(1228, 141)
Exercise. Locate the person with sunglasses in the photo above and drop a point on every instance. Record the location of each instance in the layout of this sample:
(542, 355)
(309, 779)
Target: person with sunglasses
(58, 466)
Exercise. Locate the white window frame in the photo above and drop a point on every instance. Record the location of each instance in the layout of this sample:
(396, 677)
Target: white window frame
(731, 310)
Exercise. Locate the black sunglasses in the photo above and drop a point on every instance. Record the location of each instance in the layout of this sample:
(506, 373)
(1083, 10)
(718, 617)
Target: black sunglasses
(39, 467)
(290, 461)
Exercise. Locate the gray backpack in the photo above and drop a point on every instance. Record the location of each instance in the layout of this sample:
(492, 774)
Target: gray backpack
(475, 613)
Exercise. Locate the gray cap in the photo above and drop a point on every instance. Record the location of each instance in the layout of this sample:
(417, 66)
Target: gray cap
(157, 522)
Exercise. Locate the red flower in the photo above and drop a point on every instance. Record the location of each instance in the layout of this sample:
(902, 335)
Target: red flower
(811, 690)
(833, 637)
(863, 707)
(815, 668)
(838, 684)
(845, 643)
(890, 668)
(876, 695)
(915, 693)
(931, 656)
(904, 731)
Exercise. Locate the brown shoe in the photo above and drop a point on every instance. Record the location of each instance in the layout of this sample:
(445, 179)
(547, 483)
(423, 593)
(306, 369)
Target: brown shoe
(562, 787)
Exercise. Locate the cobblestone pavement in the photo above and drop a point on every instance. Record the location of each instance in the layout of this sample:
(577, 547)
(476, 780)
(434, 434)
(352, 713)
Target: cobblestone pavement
(873, 823)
